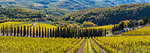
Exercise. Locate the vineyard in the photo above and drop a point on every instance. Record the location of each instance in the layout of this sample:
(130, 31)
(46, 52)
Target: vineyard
(125, 44)
(40, 45)
(24, 37)
(121, 44)
(142, 31)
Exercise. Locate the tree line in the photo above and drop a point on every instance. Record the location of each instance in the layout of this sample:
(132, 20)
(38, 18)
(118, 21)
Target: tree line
(44, 32)
(130, 24)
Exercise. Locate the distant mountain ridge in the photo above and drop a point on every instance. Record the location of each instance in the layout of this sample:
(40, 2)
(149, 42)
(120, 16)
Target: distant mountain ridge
(70, 4)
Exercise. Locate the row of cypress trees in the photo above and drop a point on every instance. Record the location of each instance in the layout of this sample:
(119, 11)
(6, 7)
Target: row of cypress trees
(44, 32)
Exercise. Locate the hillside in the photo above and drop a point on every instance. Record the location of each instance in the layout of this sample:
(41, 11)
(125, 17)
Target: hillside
(21, 13)
(110, 15)
(142, 31)
(27, 24)
(69, 4)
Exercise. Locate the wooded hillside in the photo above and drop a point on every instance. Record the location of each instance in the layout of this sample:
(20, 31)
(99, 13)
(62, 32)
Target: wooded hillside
(110, 15)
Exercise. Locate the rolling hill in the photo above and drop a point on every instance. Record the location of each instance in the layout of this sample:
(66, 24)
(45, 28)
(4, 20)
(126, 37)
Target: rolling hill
(142, 31)
(70, 4)
(110, 15)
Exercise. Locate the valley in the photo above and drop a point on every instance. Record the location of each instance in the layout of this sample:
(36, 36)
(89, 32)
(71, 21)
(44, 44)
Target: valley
(74, 26)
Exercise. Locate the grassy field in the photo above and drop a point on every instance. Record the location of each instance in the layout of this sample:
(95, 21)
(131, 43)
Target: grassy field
(142, 31)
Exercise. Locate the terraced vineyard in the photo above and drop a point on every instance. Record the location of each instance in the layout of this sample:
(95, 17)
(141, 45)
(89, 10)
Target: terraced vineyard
(142, 31)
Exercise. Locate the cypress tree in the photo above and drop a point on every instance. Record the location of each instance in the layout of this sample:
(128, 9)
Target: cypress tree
(18, 31)
(105, 32)
(14, 31)
(11, 30)
(48, 35)
(3, 30)
(58, 32)
(50, 32)
(39, 31)
(33, 31)
(27, 31)
(24, 34)
(21, 31)
(45, 32)
(42, 33)
(7, 30)
(53, 32)
(30, 31)
(67, 33)
(63, 32)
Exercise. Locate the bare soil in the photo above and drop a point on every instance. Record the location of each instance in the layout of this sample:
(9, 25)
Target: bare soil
(80, 50)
